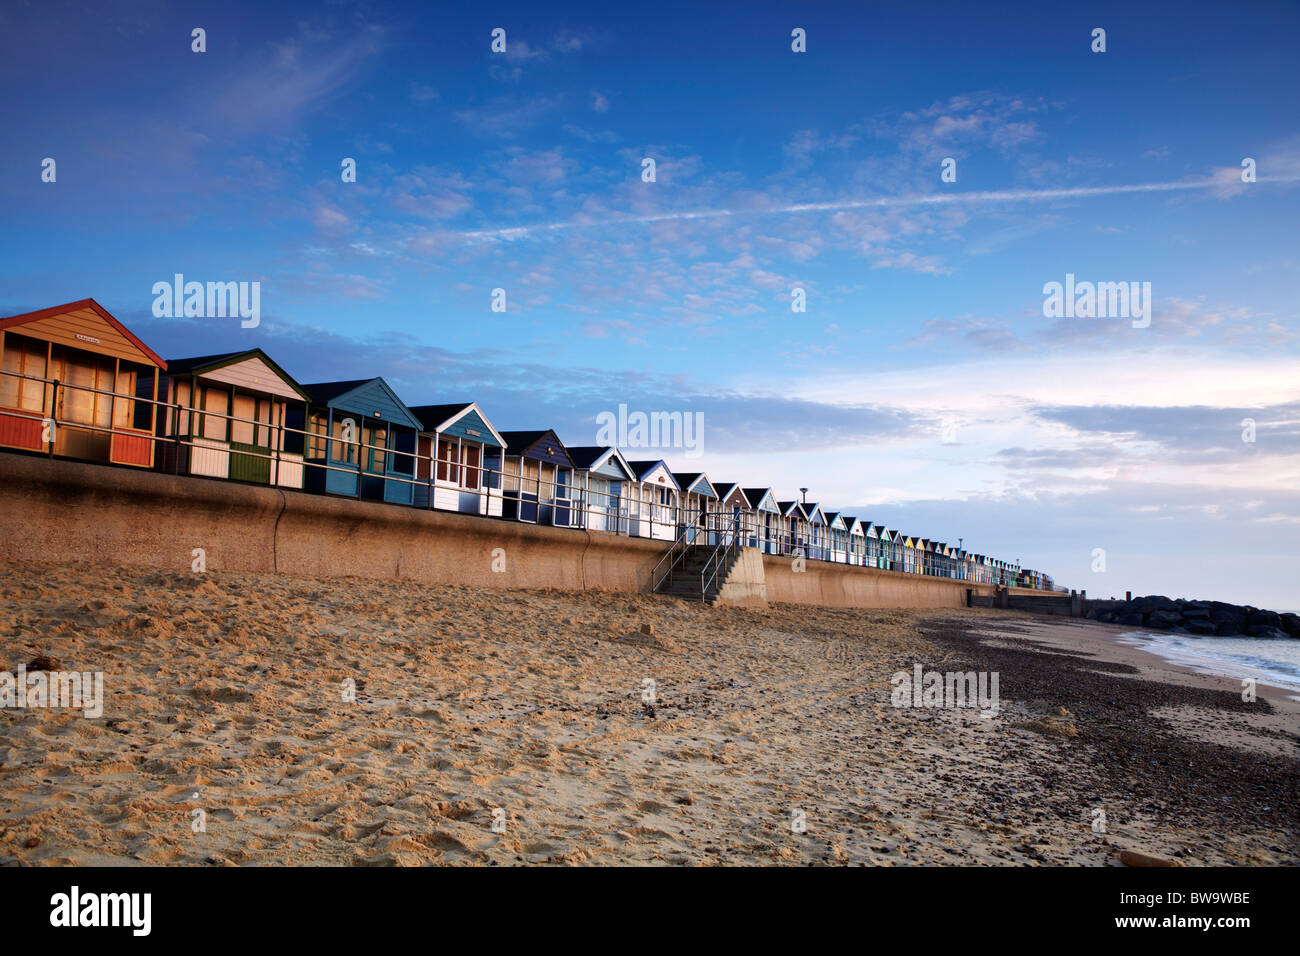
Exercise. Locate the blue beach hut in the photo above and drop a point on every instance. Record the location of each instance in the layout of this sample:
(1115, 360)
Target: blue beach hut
(537, 478)
(360, 441)
(455, 442)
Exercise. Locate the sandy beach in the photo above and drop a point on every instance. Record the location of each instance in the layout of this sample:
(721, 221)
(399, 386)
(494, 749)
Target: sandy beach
(480, 711)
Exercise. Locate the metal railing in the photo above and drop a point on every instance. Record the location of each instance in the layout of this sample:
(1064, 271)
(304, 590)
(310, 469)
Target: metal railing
(488, 487)
(663, 569)
(718, 560)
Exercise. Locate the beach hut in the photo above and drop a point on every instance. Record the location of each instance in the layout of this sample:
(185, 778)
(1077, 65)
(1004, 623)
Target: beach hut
(856, 537)
(910, 562)
(737, 516)
(794, 528)
(818, 532)
(658, 496)
(768, 523)
(76, 382)
(602, 481)
(536, 478)
(360, 441)
(886, 554)
(698, 498)
(871, 532)
(227, 419)
(453, 445)
(837, 538)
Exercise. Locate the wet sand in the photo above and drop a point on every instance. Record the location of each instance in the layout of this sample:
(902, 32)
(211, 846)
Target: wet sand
(516, 710)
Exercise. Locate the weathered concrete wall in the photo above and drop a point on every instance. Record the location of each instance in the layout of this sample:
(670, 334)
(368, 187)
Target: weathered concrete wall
(60, 511)
(65, 511)
(834, 585)
(746, 585)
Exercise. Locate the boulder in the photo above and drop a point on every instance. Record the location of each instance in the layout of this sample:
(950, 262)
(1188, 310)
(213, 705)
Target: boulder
(1163, 620)
(1291, 624)
(1129, 619)
(1263, 630)
(1227, 612)
(1225, 628)
(1264, 618)
(1201, 628)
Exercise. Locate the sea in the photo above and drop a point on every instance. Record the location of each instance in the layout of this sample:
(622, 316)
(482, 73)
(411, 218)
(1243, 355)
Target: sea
(1274, 661)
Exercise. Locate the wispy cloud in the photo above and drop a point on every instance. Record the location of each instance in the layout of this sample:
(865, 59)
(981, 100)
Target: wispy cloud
(982, 197)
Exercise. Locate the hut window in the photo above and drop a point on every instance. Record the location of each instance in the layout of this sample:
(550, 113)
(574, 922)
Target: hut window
(23, 357)
(511, 474)
(124, 408)
(377, 438)
(242, 429)
(345, 451)
(317, 429)
(81, 402)
(471, 466)
(447, 458)
(265, 415)
(215, 401)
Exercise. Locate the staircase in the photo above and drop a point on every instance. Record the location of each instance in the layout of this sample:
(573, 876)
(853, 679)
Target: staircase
(691, 575)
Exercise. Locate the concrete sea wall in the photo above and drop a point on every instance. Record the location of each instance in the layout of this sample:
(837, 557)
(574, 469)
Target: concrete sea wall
(64, 511)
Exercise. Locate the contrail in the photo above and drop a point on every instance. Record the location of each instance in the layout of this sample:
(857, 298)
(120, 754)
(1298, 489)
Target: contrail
(883, 202)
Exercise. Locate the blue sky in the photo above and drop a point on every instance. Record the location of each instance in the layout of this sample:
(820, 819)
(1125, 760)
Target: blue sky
(922, 387)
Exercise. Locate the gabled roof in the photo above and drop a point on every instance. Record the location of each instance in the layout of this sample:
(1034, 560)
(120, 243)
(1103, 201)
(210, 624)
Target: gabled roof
(642, 468)
(756, 497)
(695, 482)
(833, 519)
(789, 508)
(438, 418)
(518, 443)
(814, 513)
(326, 393)
(16, 320)
(591, 457)
(730, 492)
(850, 523)
(435, 415)
(201, 364)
